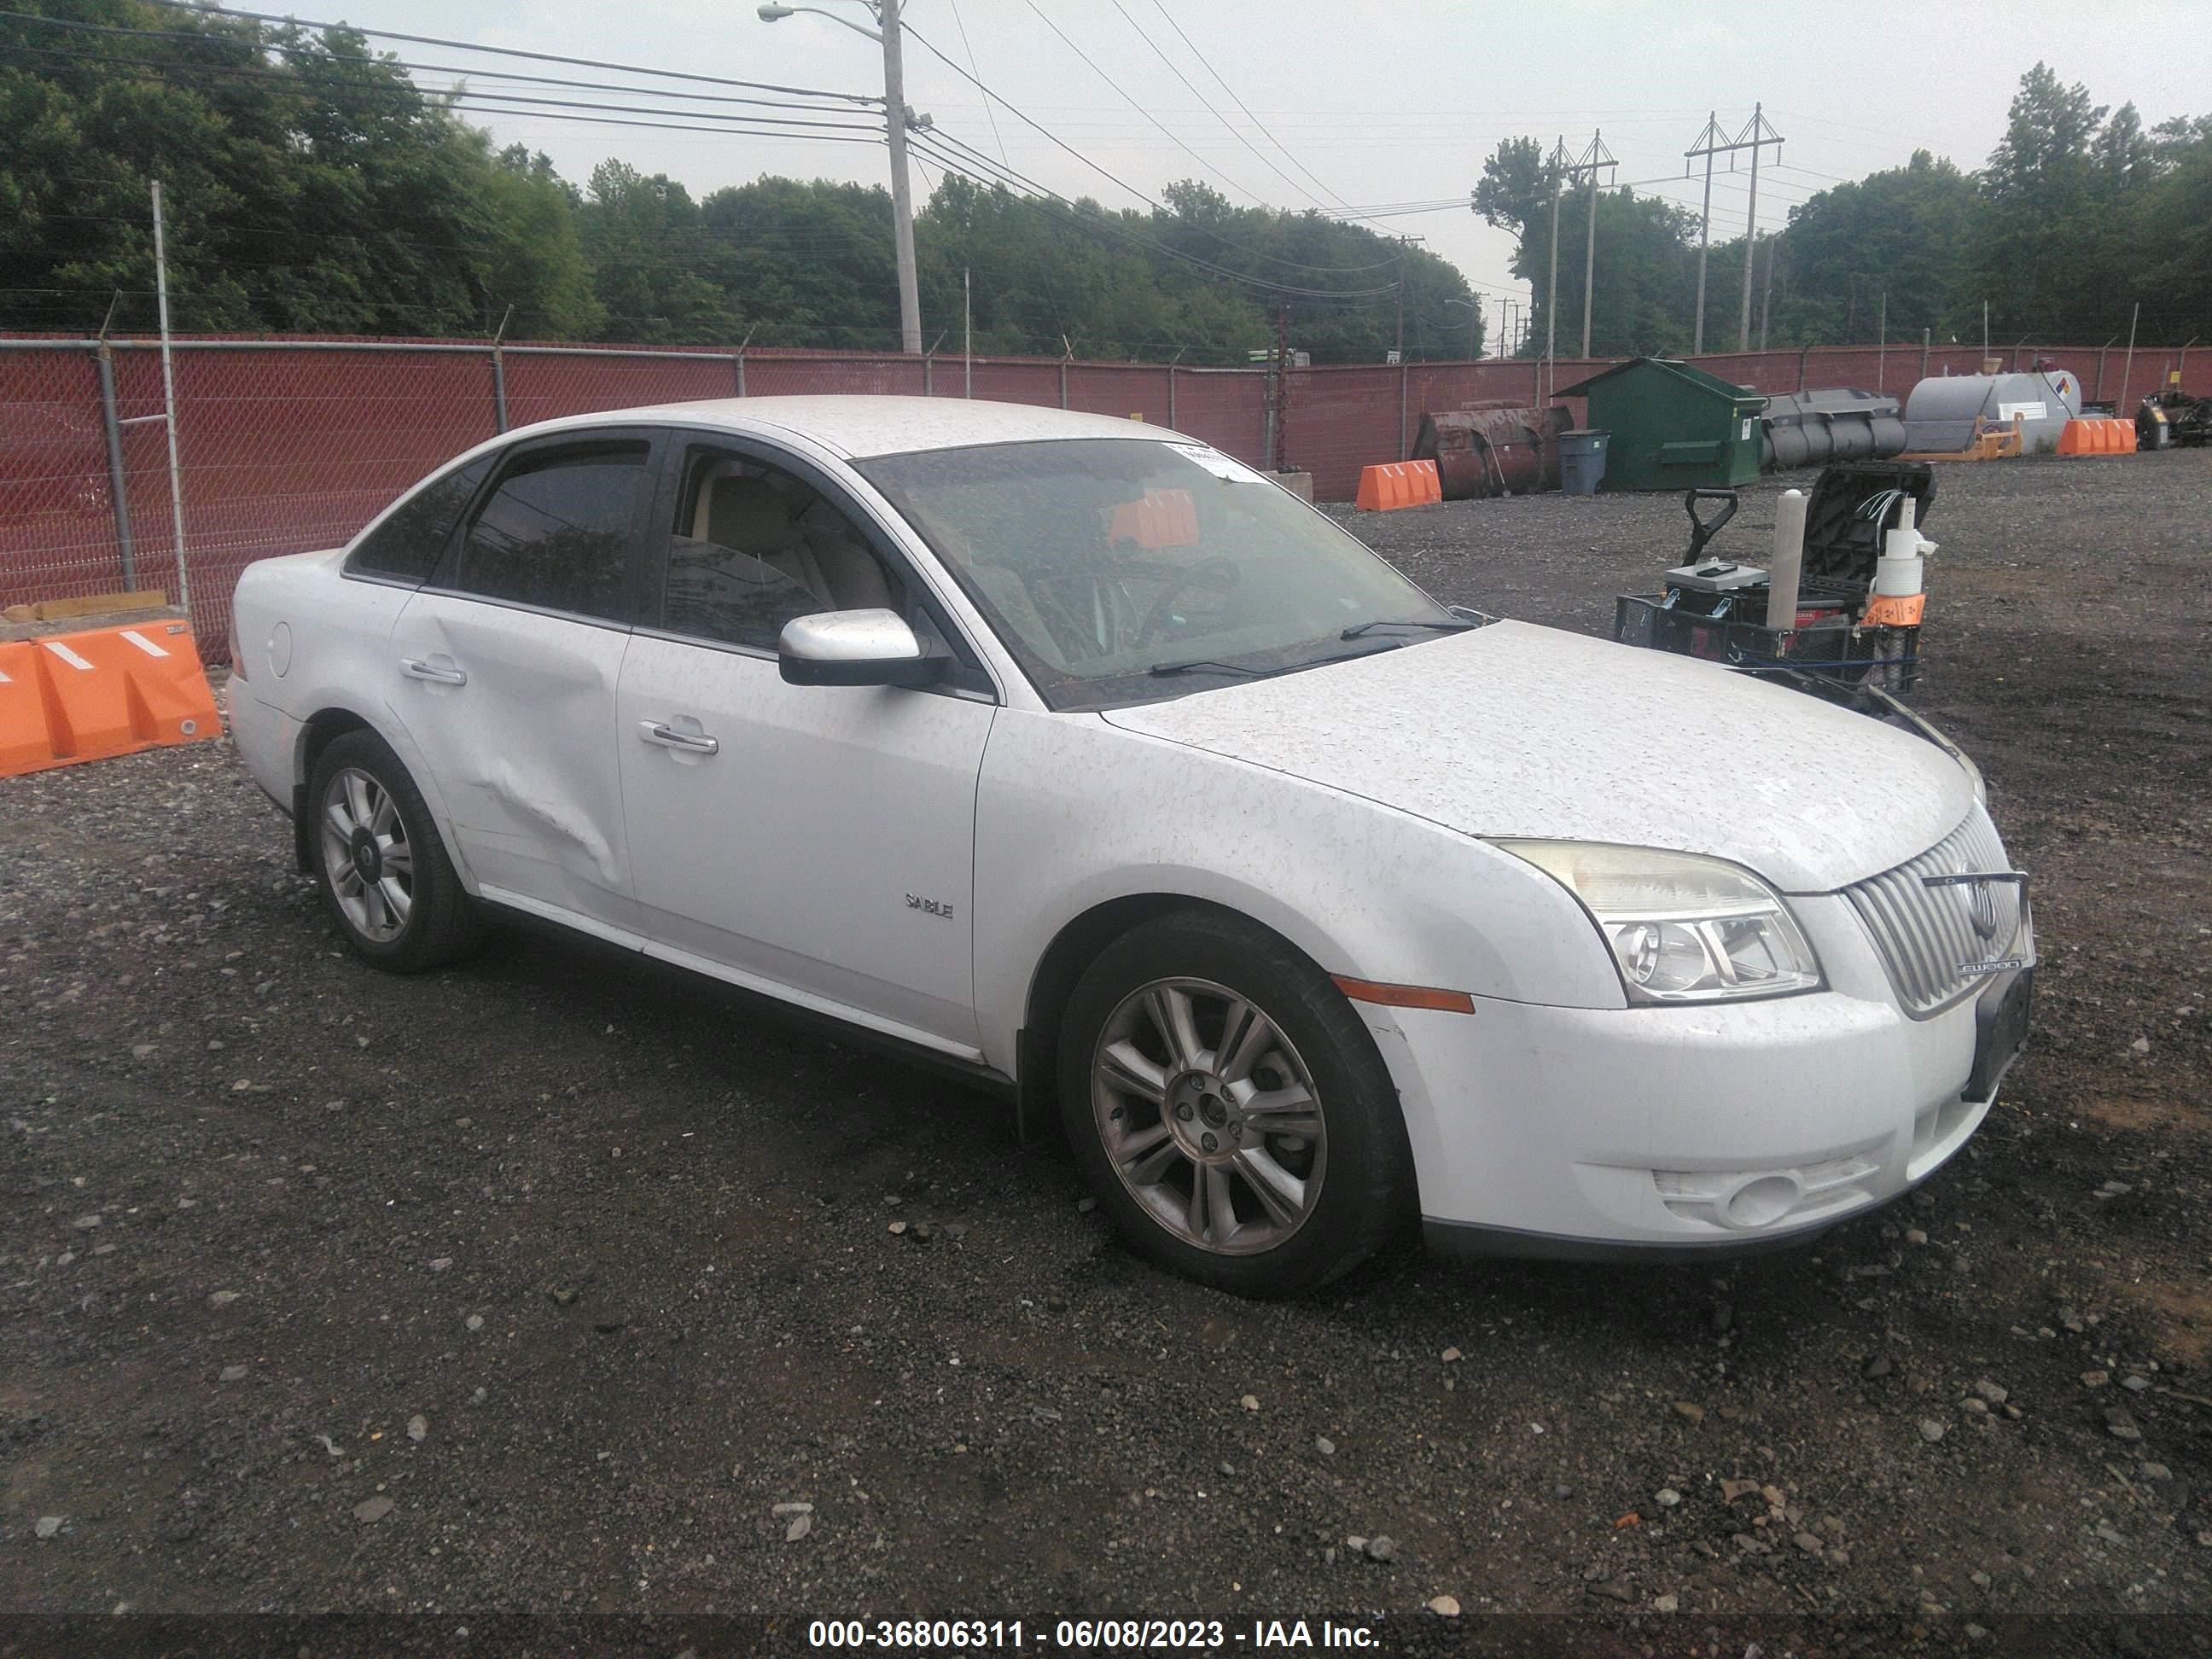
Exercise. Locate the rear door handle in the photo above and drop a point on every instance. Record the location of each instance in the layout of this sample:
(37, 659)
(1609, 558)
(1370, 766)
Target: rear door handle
(416, 668)
(696, 743)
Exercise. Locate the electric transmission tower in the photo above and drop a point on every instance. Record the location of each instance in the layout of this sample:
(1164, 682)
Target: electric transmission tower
(1757, 134)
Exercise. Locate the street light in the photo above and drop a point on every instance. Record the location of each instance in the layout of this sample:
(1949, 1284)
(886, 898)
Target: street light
(894, 113)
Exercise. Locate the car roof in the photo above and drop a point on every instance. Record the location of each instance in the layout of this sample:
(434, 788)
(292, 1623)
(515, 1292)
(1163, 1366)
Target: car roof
(860, 426)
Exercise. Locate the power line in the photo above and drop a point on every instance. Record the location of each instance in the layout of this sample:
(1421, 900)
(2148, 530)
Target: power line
(501, 52)
(961, 24)
(968, 159)
(347, 57)
(1027, 183)
(1139, 107)
(1177, 71)
(1241, 104)
(156, 68)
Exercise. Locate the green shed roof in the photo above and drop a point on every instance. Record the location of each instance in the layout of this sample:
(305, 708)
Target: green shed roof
(1674, 367)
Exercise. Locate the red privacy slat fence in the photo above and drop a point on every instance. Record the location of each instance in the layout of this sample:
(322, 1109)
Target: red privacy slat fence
(291, 444)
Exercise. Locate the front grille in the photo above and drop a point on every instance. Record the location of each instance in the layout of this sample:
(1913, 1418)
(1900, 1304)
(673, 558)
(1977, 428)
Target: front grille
(1926, 935)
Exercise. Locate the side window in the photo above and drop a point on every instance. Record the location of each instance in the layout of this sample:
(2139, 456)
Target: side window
(406, 546)
(753, 547)
(557, 531)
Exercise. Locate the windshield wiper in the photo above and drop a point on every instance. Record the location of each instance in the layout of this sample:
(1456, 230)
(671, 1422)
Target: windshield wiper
(1204, 665)
(1452, 625)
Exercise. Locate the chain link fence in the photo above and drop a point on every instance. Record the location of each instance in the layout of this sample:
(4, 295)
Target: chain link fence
(294, 444)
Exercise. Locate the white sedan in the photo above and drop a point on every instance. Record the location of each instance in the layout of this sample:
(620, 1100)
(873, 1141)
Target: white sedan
(1072, 753)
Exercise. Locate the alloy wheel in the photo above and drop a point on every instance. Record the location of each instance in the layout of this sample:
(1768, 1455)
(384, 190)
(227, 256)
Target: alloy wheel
(1209, 1115)
(366, 856)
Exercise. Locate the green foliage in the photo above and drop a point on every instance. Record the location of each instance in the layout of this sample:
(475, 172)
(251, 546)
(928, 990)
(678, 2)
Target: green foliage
(311, 187)
(305, 188)
(1644, 282)
(1902, 233)
(2079, 213)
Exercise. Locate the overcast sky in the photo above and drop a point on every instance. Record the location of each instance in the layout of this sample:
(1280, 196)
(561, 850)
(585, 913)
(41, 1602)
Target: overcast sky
(1383, 100)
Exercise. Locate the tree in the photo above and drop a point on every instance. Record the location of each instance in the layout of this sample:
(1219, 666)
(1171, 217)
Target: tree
(309, 185)
(1646, 266)
(645, 242)
(1902, 232)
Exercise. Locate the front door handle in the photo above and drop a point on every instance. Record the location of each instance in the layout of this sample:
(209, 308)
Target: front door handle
(696, 743)
(442, 674)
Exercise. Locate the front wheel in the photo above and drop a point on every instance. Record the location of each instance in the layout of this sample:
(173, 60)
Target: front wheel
(379, 865)
(1230, 1109)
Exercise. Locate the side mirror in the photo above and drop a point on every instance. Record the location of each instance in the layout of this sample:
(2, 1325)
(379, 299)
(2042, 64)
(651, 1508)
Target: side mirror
(855, 647)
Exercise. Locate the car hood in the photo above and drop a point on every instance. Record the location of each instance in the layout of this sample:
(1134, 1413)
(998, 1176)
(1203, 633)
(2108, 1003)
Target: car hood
(1514, 730)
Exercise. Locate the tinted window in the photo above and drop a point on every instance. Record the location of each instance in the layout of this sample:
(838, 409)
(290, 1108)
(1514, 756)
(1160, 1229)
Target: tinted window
(405, 546)
(754, 547)
(557, 532)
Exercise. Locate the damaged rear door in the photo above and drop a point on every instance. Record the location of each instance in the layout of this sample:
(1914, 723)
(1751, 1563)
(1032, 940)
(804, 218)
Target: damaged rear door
(504, 669)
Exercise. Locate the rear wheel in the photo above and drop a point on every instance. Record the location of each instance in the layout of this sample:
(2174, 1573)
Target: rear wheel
(1230, 1109)
(379, 864)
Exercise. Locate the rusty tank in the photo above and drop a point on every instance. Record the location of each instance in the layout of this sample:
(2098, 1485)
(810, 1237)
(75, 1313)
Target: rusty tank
(1492, 449)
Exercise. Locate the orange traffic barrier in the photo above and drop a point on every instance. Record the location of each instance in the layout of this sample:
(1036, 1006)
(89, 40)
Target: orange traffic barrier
(70, 697)
(2079, 438)
(2124, 437)
(1398, 483)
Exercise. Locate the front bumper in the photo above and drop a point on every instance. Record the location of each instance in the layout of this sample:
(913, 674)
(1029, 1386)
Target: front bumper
(1685, 1131)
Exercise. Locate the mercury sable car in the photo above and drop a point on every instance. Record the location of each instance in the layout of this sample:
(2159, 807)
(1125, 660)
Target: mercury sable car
(1075, 754)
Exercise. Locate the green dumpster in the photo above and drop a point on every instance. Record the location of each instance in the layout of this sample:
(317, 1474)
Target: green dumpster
(1675, 426)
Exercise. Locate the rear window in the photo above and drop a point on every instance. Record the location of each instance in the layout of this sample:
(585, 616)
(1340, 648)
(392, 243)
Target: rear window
(405, 547)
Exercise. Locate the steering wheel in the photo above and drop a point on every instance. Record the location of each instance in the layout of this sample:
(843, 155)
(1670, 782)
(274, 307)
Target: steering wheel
(1216, 572)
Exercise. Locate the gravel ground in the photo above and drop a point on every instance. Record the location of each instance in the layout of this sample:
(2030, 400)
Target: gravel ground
(546, 1284)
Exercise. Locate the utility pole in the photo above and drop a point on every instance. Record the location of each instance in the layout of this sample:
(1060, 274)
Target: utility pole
(2127, 370)
(1755, 137)
(1767, 296)
(1881, 346)
(901, 197)
(169, 404)
(968, 332)
(1551, 298)
(1282, 449)
(1710, 143)
(1401, 309)
(886, 13)
(1597, 156)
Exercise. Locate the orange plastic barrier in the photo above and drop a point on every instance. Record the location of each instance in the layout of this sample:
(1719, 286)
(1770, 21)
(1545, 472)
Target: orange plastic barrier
(2079, 438)
(2124, 437)
(1398, 483)
(70, 697)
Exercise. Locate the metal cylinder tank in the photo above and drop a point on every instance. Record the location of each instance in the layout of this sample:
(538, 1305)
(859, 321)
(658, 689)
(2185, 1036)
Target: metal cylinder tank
(1941, 412)
(1813, 428)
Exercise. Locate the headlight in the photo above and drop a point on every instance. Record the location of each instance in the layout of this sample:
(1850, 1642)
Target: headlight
(1683, 928)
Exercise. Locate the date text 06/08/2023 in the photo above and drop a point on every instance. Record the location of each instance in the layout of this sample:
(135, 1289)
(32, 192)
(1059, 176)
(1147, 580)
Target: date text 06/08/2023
(1087, 1635)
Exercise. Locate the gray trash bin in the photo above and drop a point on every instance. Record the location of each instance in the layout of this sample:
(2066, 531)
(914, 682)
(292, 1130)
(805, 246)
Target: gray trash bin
(1581, 461)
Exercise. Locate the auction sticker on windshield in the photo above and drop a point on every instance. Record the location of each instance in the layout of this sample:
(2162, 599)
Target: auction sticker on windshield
(1227, 468)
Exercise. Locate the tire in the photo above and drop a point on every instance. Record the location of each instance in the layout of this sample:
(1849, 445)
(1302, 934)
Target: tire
(379, 864)
(1227, 1119)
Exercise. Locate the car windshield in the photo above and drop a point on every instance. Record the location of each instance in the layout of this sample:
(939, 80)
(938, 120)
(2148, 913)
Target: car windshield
(1124, 570)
